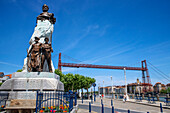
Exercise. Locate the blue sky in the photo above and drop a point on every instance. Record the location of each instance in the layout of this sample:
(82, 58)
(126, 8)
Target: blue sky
(112, 32)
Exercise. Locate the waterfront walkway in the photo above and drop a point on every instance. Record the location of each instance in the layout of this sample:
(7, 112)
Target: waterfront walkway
(121, 107)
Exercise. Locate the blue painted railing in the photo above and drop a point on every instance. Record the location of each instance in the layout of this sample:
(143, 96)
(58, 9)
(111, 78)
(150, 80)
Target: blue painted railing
(55, 101)
(3, 99)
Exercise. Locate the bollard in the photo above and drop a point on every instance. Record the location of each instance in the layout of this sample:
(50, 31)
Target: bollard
(91, 100)
(161, 108)
(143, 96)
(75, 98)
(149, 95)
(102, 108)
(89, 107)
(157, 96)
(82, 99)
(111, 102)
(128, 111)
(112, 95)
(101, 101)
(133, 96)
(112, 109)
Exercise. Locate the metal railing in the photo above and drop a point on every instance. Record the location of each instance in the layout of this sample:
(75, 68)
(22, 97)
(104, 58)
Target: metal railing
(55, 101)
(113, 110)
(3, 99)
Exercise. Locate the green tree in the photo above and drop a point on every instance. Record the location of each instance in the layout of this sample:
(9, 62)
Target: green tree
(58, 72)
(1, 84)
(163, 91)
(19, 70)
(69, 81)
(77, 82)
(89, 82)
(168, 90)
(82, 83)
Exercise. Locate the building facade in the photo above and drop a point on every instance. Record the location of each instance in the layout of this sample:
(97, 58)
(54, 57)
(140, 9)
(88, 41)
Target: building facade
(158, 87)
(109, 89)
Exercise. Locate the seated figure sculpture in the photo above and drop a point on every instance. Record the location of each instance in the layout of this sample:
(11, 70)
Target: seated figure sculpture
(46, 54)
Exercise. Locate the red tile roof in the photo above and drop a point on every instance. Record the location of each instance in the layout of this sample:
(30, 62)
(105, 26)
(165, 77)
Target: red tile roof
(10, 75)
(158, 83)
(168, 84)
(1, 73)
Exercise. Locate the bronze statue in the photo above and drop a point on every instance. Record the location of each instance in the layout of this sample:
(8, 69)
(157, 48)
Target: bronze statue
(40, 43)
(35, 52)
(46, 54)
(46, 15)
(29, 69)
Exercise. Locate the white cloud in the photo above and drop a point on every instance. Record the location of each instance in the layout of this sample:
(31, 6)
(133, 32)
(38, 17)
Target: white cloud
(6, 63)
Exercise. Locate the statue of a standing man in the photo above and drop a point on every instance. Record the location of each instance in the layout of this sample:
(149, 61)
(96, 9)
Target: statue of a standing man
(46, 54)
(44, 26)
(35, 52)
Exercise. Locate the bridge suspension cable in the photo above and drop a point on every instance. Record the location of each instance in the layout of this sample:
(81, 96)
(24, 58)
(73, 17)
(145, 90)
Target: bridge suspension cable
(158, 70)
(70, 58)
(159, 77)
(160, 74)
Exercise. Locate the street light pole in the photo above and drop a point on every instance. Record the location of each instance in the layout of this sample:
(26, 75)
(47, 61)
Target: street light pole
(103, 89)
(91, 95)
(138, 86)
(112, 86)
(99, 89)
(94, 85)
(139, 90)
(125, 81)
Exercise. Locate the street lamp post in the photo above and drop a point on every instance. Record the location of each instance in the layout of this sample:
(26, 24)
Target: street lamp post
(112, 86)
(94, 85)
(125, 81)
(138, 89)
(92, 95)
(99, 89)
(138, 86)
(103, 89)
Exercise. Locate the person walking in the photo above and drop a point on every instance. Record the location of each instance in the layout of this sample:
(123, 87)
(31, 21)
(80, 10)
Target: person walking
(100, 95)
(124, 98)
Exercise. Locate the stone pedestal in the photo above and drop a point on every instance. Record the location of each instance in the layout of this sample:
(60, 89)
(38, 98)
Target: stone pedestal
(33, 81)
(23, 85)
(22, 89)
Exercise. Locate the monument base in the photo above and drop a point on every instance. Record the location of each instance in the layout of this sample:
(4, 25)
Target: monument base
(23, 85)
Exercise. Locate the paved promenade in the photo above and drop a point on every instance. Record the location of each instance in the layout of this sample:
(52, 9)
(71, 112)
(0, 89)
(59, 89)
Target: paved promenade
(121, 107)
